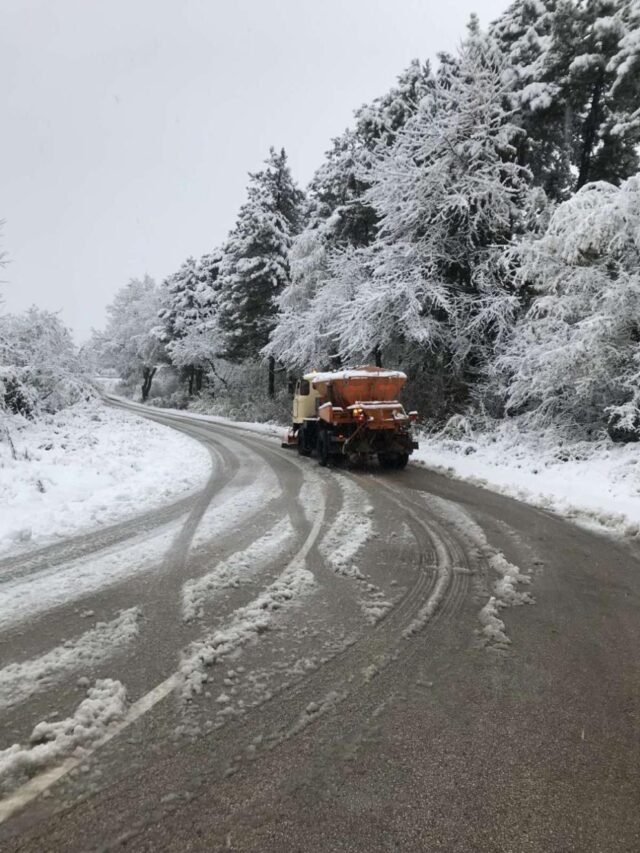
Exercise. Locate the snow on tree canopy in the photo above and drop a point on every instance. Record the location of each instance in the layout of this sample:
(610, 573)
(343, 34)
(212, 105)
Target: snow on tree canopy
(574, 358)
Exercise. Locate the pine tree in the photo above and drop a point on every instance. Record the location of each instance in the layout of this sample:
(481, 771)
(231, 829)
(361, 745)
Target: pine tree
(570, 68)
(605, 150)
(255, 267)
(179, 305)
(524, 35)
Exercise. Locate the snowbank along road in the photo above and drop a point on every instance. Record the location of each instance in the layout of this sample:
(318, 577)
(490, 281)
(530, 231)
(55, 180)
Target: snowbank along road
(306, 659)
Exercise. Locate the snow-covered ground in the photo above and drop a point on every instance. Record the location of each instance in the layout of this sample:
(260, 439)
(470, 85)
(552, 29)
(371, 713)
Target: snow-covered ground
(594, 483)
(86, 467)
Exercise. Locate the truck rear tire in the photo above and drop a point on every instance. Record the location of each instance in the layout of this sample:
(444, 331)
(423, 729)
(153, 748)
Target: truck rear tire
(323, 448)
(401, 460)
(386, 460)
(393, 460)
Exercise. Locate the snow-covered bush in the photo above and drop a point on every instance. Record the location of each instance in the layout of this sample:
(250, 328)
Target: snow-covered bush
(574, 358)
(239, 392)
(39, 367)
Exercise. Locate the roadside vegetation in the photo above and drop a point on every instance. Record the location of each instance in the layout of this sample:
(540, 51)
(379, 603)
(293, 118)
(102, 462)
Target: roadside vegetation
(477, 227)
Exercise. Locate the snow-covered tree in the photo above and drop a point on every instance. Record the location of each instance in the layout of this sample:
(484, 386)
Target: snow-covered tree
(255, 268)
(132, 336)
(524, 35)
(450, 196)
(179, 308)
(339, 216)
(189, 301)
(606, 141)
(574, 359)
(39, 366)
(295, 340)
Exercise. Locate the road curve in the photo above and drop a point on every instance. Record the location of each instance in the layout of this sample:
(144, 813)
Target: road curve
(325, 660)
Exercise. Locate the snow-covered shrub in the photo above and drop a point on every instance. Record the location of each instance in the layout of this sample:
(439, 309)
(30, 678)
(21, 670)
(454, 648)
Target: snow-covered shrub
(458, 426)
(39, 367)
(574, 358)
(239, 392)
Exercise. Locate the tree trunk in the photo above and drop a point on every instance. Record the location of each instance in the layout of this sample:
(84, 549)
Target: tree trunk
(147, 378)
(589, 133)
(377, 355)
(199, 375)
(190, 376)
(272, 377)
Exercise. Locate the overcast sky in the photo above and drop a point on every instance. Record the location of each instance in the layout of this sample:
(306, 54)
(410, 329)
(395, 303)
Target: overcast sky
(129, 126)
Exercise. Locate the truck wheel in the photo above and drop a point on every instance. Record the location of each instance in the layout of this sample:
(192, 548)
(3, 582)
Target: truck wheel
(386, 460)
(303, 450)
(323, 449)
(401, 460)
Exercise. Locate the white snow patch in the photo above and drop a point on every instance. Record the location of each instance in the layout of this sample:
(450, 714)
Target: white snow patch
(236, 569)
(349, 531)
(596, 484)
(247, 624)
(312, 496)
(376, 606)
(19, 681)
(86, 467)
(106, 703)
(493, 628)
(315, 710)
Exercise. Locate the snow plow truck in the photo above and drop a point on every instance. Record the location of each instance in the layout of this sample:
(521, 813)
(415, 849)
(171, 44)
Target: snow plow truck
(352, 415)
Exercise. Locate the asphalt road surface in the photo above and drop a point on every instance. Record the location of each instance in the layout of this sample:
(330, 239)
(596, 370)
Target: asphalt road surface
(309, 670)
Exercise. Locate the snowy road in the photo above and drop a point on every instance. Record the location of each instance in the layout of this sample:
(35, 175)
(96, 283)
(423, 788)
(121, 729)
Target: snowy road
(322, 660)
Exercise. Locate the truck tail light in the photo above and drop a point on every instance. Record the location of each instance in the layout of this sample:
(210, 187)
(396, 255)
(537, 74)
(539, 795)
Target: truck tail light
(413, 417)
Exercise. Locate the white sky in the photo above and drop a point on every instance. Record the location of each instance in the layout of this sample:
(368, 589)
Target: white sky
(129, 126)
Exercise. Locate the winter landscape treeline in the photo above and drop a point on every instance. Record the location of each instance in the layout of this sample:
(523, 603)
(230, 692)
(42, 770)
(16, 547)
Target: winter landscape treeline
(478, 226)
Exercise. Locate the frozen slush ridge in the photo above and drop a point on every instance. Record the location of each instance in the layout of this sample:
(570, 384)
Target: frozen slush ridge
(19, 681)
(106, 703)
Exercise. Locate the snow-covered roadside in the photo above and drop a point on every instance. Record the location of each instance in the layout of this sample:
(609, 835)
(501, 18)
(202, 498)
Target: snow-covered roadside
(85, 467)
(593, 483)
(271, 428)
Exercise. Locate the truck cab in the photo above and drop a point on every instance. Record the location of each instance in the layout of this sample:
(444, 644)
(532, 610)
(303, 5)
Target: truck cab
(305, 397)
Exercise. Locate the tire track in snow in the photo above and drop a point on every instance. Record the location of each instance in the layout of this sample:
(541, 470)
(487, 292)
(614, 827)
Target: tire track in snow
(40, 783)
(236, 569)
(20, 681)
(507, 576)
